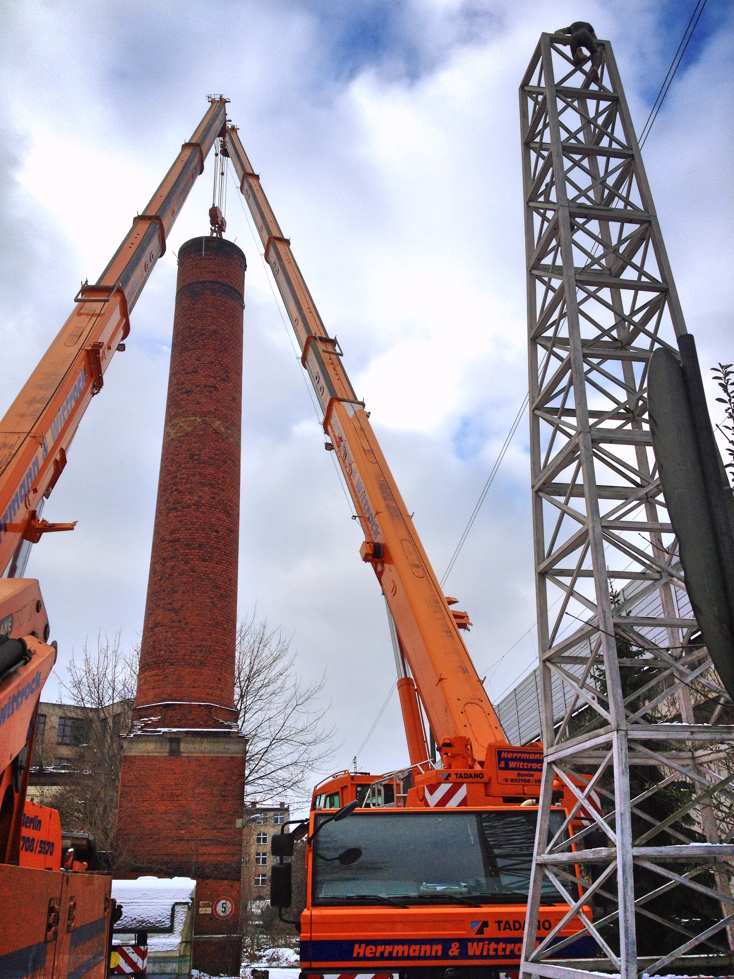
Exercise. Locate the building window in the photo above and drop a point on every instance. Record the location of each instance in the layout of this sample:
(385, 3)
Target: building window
(261, 880)
(261, 838)
(40, 726)
(278, 818)
(261, 858)
(72, 730)
(259, 819)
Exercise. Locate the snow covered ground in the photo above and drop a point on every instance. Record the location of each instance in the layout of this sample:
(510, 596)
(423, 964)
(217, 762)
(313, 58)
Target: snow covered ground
(281, 963)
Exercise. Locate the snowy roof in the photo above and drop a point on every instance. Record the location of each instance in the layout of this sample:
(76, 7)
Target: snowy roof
(148, 902)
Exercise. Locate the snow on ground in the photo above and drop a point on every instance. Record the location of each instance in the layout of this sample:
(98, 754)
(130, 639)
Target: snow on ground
(280, 955)
(280, 961)
(276, 973)
(147, 901)
(247, 973)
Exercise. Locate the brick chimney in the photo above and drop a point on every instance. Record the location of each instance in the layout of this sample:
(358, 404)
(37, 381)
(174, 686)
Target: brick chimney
(182, 779)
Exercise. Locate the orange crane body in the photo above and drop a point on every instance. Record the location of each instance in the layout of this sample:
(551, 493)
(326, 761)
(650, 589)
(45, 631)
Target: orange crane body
(61, 921)
(343, 926)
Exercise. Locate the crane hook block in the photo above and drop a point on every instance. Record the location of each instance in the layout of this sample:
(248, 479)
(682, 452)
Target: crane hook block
(217, 222)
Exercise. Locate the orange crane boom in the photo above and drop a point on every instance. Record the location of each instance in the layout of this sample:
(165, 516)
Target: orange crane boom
(38, 427)
(427, 630)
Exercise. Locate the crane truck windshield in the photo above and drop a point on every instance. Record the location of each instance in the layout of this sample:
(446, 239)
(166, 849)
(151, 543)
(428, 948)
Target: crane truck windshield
(407, 858)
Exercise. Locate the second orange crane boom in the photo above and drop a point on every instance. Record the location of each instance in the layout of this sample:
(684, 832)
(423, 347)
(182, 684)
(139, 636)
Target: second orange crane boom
(450, 690)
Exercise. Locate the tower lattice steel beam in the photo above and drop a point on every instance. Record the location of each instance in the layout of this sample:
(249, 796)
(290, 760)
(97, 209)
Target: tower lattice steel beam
(646, 741)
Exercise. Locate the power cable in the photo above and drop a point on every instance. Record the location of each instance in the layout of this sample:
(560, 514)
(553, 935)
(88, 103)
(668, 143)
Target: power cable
(647, 128)
(665, 86)
(672, 69)
(378, 718)
(485, 489)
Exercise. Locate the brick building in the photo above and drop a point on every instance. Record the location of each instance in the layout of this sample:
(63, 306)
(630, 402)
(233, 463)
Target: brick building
(64, 744)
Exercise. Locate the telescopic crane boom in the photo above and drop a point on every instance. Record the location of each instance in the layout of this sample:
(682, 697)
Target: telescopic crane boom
(38, 427)
(460, 714)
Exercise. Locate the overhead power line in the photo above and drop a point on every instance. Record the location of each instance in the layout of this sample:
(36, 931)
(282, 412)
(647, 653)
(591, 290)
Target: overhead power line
(672, 69)
(485, 489)
(646, 130)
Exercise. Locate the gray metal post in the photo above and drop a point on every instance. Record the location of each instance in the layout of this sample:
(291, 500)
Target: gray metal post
(649, 775)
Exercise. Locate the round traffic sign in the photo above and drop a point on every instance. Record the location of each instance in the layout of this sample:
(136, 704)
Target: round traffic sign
(223, 908)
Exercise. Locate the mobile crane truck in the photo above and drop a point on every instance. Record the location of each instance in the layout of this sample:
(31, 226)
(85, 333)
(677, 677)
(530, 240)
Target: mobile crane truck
(436, 876)
(427, 872)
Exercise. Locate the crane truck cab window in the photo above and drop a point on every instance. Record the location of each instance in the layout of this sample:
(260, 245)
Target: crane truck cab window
(375, 795)
(328, 800)
(379, 857)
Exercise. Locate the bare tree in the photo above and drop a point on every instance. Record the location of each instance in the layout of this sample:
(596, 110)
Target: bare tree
(102, 680)
(280, 716)
(724, 377)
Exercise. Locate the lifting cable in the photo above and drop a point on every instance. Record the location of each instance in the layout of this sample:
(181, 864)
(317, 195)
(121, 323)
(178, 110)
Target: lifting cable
(219, 188)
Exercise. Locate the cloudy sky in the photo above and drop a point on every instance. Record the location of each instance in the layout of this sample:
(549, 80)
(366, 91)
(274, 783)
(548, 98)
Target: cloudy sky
(387, 137)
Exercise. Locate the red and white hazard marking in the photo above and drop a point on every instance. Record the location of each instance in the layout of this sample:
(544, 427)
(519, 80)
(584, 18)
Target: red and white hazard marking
(447, 794)
(128, 960)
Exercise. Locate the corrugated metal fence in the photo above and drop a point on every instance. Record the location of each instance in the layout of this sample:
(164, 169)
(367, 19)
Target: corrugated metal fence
(520, 710)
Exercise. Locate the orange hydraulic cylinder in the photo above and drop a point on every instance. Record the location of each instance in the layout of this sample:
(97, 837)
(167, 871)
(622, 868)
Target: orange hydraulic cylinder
(412, 721)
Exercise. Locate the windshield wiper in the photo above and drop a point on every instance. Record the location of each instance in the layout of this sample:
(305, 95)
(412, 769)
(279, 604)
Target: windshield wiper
(474, 900)
(365, 899)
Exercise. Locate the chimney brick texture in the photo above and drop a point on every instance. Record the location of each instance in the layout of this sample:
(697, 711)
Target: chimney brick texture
(183, 769)
(187, 655)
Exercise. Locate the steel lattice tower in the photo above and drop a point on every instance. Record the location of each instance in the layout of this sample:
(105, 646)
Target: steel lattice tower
(643, 733)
